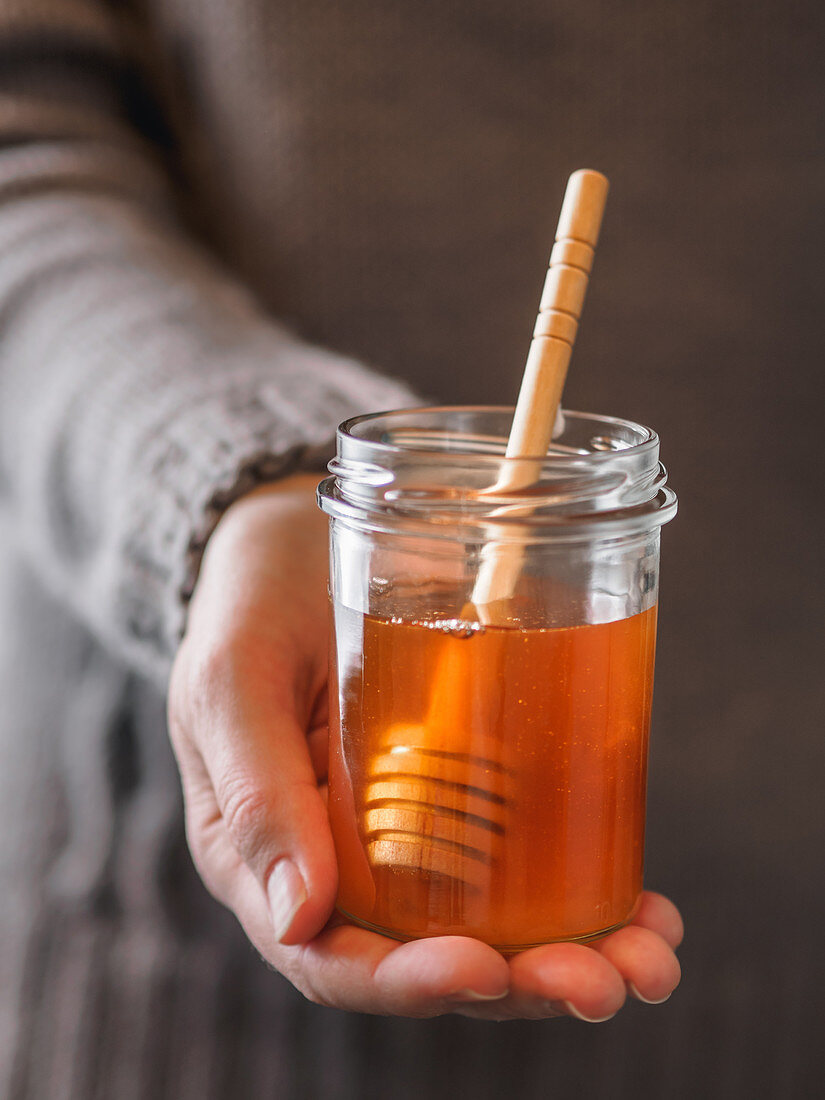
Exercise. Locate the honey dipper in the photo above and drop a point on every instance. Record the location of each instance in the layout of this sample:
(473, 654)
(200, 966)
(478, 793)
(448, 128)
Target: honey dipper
(438, 795)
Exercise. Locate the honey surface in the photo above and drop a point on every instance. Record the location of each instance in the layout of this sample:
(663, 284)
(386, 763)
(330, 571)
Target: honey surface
(490, 782)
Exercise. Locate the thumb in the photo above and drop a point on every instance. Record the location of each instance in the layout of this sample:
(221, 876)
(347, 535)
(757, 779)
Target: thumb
(259, 764)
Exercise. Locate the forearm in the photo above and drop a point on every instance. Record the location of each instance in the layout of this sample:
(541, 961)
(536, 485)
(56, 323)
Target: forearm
(141, 389)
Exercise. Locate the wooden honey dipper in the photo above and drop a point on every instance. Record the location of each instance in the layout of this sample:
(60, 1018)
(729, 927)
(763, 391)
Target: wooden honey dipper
(438, 795)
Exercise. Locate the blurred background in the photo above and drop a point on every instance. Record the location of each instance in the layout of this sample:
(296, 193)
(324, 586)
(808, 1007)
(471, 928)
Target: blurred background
(704, 321)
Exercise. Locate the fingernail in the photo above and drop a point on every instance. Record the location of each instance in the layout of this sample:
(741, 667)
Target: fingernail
(646, 1000)
(287, 893)
(474, 995)
(571, 1008)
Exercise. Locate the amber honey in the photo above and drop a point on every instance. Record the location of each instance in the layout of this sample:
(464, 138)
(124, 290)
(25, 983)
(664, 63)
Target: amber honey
(490, 781)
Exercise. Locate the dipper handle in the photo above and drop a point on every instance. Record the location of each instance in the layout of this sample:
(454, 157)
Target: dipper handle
(546, 369)
(558, 320)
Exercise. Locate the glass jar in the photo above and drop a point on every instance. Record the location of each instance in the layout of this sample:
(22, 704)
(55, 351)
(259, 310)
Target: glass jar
(488, 763)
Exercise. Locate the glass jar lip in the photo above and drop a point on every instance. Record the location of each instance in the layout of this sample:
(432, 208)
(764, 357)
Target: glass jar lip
(649, 440)
(442, 468)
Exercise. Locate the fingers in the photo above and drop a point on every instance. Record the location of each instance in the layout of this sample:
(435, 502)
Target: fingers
(349, 968)
(645, 961)
(565, 977)
(590, 982)
(353, 969)
(364, 972)
(245, 763)
(268, 797)
(660, 915)
(643, 953)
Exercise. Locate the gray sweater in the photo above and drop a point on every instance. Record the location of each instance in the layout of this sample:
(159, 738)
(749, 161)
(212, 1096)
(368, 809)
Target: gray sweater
(197, 199)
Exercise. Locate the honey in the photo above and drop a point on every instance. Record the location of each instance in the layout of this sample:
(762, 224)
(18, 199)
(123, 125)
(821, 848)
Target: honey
(489, 781)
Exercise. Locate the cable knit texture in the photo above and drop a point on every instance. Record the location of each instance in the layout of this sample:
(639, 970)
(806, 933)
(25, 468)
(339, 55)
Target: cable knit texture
(142, 387)
(197, 199)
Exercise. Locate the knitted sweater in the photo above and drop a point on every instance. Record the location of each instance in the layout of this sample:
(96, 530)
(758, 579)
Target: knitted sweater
(197, 199)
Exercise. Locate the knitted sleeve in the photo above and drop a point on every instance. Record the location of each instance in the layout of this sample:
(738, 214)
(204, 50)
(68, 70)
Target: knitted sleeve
(141, 387)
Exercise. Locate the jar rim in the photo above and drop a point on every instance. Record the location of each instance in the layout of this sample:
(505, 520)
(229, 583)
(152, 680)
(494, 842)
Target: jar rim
(443, 467)
(649, 440)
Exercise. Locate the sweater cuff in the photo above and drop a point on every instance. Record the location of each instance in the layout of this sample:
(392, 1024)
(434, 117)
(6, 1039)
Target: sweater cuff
(254, 427)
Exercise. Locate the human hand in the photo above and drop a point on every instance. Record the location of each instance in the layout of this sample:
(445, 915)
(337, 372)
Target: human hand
(248, 720)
